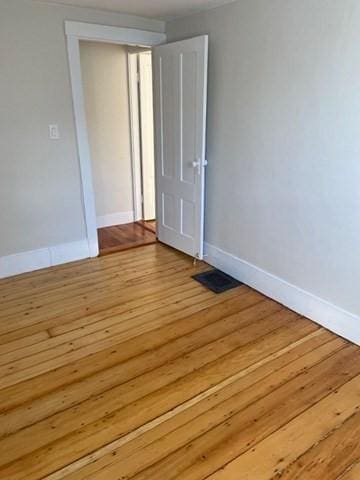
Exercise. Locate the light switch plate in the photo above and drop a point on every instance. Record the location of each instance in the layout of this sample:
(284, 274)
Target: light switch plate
(54, 133)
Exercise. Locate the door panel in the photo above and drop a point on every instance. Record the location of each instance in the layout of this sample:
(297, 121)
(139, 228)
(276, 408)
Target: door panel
(188, 127)
(169, 212)
(180, 88)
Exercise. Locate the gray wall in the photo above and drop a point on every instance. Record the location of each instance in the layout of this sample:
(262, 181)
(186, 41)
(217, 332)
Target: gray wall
(284, 139)
(40, 195)
(105, 80)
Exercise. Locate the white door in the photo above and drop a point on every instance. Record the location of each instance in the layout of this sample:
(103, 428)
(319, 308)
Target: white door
(147, 135)
(180, 89)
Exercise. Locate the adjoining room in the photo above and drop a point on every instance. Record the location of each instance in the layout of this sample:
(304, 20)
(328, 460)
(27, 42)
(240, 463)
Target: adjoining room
(117, 85)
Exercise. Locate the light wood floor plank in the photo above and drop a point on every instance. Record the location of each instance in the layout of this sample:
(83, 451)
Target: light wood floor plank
(102, 298)
(134, 276)
(123, 367)
(105, 359)
(12, 330)
(247, 422)
(352, 474)
(329, 458)
(76, 269)
(106, 327)
(154, 443)
(58, 357)
(136, 269)
(164, 397)
(24, 342)
(133, 366)
(293, 439)
(146, 303)
(199, 350)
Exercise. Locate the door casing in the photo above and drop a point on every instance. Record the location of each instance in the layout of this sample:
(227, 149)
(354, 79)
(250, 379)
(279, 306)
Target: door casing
(75, 32)
(142, 139)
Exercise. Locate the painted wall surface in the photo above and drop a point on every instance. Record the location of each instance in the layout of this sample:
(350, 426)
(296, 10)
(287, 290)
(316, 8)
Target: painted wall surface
(40, 191)
(105, 81)
(284, 139)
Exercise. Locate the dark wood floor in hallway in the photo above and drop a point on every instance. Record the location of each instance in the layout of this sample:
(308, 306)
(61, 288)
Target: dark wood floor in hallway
(123, 367)
(124, 237)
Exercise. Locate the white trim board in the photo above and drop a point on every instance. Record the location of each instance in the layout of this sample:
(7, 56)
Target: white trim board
(76, 31)
(118, 218)
(330, 316)
(104, 33)
(42, 258)
(135, 134)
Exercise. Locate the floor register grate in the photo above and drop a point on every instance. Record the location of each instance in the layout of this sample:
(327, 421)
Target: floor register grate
(217, 281)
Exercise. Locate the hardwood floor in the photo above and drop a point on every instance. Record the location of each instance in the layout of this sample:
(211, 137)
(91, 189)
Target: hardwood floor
(123, 367)
(149, 225)
(124, 237)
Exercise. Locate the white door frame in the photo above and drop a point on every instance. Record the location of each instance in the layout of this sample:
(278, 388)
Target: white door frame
(135, 106)
(147, 129)
(76, 31)
(135, 135)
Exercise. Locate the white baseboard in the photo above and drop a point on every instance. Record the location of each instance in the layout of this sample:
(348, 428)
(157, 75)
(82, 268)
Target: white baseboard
(320, 311)
(119, 218)
(44, 257)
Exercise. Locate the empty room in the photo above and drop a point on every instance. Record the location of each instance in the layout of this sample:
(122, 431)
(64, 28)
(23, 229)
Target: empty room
(179, 243)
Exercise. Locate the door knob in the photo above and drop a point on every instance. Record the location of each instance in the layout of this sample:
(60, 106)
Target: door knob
(198, 164)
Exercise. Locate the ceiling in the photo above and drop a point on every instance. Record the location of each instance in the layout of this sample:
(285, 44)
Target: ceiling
(160, 9)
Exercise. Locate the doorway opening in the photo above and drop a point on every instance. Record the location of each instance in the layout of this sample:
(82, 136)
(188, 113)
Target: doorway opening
(142, 130)
(118, 98)
(180, 93)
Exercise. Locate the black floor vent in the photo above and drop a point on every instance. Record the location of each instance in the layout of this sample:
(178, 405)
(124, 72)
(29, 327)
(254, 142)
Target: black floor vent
(217, 281)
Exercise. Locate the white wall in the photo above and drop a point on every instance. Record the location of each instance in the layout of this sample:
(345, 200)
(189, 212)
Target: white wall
(40, 194)
(105, 81)
(284, 139)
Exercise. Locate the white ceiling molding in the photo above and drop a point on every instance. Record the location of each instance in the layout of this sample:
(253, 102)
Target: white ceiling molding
(159, 9)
